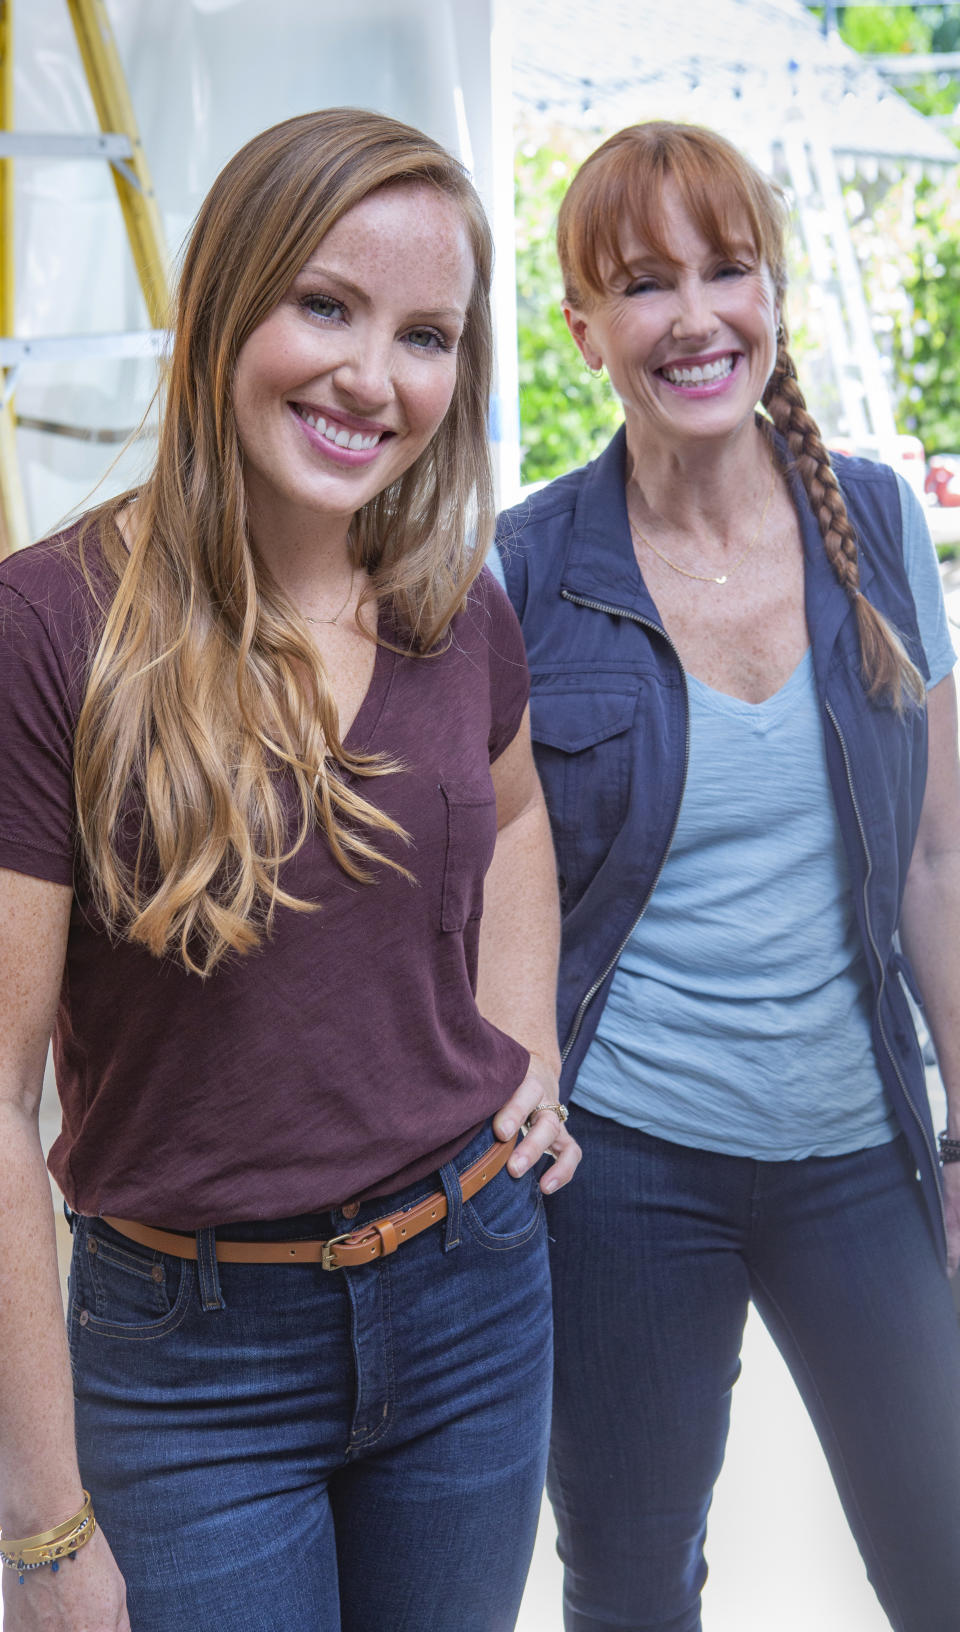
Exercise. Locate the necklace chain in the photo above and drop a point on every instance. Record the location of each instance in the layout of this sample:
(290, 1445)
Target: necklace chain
(337, 615)
(709, 577)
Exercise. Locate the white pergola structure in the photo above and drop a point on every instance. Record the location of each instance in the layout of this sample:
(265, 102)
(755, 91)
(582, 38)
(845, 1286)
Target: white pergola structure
(801, 103)
(748, 67)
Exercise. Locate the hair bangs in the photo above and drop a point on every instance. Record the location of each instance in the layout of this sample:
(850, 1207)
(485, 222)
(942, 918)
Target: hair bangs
(619, 190)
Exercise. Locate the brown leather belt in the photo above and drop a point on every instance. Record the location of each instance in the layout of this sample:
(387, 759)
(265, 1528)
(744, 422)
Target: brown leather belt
(374, 1240)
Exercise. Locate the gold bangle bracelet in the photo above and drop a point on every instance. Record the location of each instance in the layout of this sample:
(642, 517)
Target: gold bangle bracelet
(49, 1546)
(45, 1536)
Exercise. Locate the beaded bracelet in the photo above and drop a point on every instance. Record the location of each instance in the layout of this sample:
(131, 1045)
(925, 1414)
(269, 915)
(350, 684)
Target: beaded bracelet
(36, 1552)
(949, 1148)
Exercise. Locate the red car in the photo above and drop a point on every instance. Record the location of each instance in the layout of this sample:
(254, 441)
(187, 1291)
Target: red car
(943, 478)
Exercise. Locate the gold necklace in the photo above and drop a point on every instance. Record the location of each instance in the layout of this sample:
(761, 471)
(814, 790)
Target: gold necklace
(708, 577)
(338, 615)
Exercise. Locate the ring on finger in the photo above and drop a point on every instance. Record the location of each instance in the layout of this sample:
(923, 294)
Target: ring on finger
(560, 1111)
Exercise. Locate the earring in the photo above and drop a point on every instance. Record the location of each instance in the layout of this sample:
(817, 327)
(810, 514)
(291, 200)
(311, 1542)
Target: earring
(596, 372)
(779, 331)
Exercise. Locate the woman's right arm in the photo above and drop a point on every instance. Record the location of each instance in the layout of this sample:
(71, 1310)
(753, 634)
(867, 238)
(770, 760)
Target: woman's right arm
(39, 1480)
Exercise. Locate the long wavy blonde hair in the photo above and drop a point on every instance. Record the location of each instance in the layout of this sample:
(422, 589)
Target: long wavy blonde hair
(206, 701)
(622, 182)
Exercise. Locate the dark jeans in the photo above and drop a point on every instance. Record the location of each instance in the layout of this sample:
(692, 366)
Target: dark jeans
(284, 1449)
(657, 1251)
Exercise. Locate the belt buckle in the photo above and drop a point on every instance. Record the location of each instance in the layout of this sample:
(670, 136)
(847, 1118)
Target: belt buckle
(327, 1260)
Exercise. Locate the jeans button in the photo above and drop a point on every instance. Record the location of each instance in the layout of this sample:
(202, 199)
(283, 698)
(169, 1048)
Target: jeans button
(350, 1209)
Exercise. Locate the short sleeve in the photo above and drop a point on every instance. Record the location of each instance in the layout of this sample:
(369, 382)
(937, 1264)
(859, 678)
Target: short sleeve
(509, 675)
(923, 571)
(37, 825)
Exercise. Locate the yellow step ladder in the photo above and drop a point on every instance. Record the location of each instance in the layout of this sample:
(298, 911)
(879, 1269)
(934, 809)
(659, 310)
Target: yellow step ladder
(119, 144)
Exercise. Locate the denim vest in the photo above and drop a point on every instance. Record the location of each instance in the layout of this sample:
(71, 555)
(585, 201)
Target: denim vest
(610, 730)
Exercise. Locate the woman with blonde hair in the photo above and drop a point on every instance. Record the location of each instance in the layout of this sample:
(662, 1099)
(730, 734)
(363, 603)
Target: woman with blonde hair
(745, 724)
(264, 762)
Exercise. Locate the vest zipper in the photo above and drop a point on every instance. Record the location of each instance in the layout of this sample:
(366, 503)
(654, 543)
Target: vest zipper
(622, 612)
(880, 962)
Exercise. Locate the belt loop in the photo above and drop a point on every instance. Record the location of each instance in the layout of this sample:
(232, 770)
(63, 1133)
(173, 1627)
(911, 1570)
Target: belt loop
(450, 1179)
(209, 1276)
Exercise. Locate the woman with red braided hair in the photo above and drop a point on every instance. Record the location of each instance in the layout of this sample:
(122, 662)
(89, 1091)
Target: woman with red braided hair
(745, 724)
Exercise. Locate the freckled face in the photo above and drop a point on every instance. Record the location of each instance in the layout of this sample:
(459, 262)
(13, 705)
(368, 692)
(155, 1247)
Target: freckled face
(340, 389)
(689, 347)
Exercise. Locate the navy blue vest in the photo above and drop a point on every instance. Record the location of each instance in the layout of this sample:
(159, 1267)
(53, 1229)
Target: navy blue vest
(609, 717)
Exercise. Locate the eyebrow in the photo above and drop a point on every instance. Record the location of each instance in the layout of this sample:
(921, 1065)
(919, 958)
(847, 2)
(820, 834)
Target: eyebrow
(741, 250)
(313, 269)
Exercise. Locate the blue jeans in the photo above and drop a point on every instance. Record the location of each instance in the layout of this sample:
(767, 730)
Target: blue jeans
(658, 1250)
(287, 1449)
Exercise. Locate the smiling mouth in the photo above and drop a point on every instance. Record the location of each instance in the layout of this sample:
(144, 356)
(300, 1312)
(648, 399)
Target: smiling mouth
(354, 441)
(700, 373)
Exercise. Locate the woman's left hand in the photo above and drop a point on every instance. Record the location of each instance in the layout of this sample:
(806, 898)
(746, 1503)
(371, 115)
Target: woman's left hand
(547, 1135)
(951, 1210)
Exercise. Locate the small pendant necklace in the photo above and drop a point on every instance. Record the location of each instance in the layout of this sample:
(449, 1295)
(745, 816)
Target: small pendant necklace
(337, 615)
(709, 577)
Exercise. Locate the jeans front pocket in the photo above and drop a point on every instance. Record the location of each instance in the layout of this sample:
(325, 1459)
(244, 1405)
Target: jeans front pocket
(506, 1213)
(120, 1289)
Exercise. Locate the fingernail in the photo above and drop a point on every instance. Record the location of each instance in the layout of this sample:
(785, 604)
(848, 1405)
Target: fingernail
(517, 1166)
(548, 1185)
(506, 1128)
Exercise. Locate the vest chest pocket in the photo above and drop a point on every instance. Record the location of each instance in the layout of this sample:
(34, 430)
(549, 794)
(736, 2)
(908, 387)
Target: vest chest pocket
(471, 836)
(581, 741)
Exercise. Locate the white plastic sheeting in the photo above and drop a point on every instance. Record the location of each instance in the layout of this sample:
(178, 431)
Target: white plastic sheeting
(204, 76)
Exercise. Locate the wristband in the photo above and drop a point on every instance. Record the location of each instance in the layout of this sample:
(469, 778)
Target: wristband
(49, 1546)
(949, 1148)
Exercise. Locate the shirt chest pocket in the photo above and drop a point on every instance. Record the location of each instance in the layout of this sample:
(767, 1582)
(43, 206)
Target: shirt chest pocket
(582, 745)
(471, 834)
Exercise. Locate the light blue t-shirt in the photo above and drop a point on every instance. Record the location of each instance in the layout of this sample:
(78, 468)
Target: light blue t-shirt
(738, 1019)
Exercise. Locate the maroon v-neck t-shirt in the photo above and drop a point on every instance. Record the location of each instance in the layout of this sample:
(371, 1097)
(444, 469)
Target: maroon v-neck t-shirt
(346, 1057)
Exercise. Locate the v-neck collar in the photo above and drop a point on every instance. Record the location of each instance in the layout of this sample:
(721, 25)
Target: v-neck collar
(364, 723)
(600, 562)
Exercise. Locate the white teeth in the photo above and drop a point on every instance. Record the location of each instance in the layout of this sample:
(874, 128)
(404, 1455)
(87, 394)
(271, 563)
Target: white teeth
(343, 438)
(700, 374)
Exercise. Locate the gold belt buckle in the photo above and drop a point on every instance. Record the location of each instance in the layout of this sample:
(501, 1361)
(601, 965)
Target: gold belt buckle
(327, 1260)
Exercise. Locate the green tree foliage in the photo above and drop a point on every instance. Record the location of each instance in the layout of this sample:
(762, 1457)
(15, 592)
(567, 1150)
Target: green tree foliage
(566, 416)
(927, 336)
(909, 236)
(908, 31)
(908, 241)
(890, 29)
